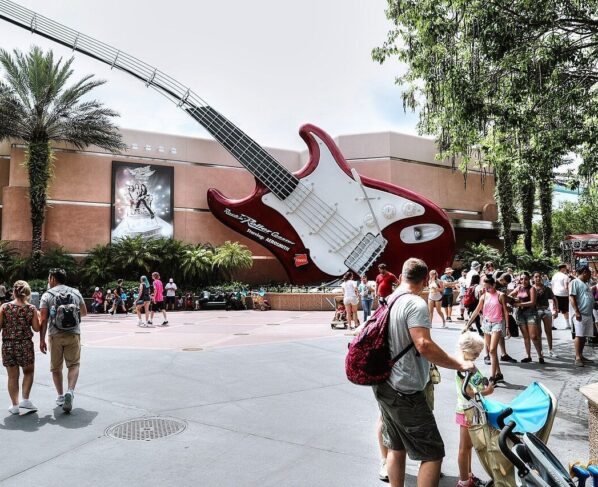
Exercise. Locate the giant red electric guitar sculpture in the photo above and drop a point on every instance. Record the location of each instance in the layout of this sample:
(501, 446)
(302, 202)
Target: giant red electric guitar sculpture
(318, 222)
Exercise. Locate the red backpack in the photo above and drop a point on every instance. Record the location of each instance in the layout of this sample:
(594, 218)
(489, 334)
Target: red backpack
(369, 360)
(469, 297)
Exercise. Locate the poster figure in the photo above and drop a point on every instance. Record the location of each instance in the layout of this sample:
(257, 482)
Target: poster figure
(142, 198)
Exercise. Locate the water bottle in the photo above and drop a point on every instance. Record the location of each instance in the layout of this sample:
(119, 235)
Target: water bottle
(53, 311)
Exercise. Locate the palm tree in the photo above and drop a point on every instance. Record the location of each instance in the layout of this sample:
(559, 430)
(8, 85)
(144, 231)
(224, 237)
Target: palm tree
(98, 266)
(7, 257)
(170, 251)
(232, 256)
(37, 107)
(134, 255)
(196, 262)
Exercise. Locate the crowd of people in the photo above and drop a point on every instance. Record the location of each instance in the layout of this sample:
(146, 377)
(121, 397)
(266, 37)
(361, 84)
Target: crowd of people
(126, 300)
(493, 305)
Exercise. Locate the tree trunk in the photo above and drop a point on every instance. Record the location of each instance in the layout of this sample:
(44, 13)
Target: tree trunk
(506, 212)
(527, 193)
(39, 160)
(545, 196)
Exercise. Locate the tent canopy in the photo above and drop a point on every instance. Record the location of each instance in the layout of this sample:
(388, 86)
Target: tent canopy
(585, 236)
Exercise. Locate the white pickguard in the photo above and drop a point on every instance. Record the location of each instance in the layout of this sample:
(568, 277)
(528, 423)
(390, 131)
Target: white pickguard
(330, 187)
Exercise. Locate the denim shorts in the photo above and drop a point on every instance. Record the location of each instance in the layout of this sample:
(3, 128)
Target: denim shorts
(542, 312)
(526, 316)
(488, 327)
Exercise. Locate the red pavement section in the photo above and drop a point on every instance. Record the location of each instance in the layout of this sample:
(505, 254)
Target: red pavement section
(207, 329)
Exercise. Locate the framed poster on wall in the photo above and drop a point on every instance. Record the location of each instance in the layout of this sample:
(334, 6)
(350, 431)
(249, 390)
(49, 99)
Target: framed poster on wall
(142, 201)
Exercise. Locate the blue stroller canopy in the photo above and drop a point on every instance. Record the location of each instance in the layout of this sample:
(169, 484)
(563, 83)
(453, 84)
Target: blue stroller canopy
(530, 409)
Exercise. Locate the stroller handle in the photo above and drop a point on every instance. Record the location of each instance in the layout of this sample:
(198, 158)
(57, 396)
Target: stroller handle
(502, 416)
(466, 378)
(507, 433)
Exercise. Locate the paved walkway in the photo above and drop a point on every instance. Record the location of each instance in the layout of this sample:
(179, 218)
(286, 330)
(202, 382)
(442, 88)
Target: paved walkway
(264, 399)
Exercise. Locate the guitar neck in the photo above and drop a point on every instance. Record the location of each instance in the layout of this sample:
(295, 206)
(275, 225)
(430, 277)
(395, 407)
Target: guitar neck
(248, 152)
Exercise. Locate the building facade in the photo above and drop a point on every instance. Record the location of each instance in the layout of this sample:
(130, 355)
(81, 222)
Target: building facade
(81, 191)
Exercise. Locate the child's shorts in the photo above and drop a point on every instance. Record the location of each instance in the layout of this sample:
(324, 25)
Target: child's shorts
(461, 420)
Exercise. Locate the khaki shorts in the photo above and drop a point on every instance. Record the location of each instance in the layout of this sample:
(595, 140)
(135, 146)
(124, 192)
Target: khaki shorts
(64, 347)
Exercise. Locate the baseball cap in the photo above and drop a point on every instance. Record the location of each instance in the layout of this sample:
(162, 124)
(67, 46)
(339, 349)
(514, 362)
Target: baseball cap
(475, 264)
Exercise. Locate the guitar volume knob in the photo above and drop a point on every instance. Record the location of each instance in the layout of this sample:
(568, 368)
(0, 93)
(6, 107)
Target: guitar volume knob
(389, 212)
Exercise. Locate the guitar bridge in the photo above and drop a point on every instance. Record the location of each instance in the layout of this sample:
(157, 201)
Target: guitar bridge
(365, 253)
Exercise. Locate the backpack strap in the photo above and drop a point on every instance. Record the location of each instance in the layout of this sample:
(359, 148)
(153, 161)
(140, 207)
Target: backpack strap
(411, 345)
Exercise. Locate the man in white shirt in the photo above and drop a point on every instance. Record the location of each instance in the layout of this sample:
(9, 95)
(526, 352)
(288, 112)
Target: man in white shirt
(170, 289)
(475, 269)
(560, 289)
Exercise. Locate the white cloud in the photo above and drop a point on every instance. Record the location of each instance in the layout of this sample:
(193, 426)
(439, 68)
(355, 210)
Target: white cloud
(268, 65)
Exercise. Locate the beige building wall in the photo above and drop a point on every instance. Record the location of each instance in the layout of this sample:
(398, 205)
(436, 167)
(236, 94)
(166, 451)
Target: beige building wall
(78, 216)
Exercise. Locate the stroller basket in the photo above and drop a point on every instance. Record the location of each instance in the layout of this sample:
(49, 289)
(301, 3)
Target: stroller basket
(531, 411)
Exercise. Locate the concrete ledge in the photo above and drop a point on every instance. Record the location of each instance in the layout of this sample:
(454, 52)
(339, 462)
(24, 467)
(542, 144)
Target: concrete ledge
(591, 393)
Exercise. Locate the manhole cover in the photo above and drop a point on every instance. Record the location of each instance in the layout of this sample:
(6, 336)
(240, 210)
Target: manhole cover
(192, 349)
(240, 334)
(146, 429)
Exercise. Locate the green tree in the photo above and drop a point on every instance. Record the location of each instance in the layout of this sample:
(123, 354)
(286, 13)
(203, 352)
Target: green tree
(7, 257)
(134, 255)
(170, 252)
(231, 257)
(98, 266)
(196, 263)
(38, 108)
(498, 77)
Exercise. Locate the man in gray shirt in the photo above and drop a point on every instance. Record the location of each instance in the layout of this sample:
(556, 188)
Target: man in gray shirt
(65, 345)
(408, 425)
(582, 302)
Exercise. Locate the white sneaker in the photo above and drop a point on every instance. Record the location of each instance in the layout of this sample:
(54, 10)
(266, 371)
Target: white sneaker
(13, 410)
(444, 325)
(149, 325)
(140, 324)
(551, 354)
(60, 400)
(27, 406)
(383, 473)
(68, 401)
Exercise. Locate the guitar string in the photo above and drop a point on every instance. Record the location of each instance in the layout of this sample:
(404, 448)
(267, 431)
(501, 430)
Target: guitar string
(284, 177)
(301, 188)
(224, 141)
(321, 222)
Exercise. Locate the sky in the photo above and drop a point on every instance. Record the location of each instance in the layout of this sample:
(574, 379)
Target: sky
(268, 65)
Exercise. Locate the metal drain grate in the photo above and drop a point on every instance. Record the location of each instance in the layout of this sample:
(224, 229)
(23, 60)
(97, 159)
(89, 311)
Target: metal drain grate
(272, 324)
(240, 334)
(146, 429)
(192, 349)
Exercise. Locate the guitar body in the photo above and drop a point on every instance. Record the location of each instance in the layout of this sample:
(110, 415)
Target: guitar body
(412, 225)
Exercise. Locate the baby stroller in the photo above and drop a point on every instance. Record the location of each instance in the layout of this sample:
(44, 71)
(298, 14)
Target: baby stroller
(340, 314)
(521, 443)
